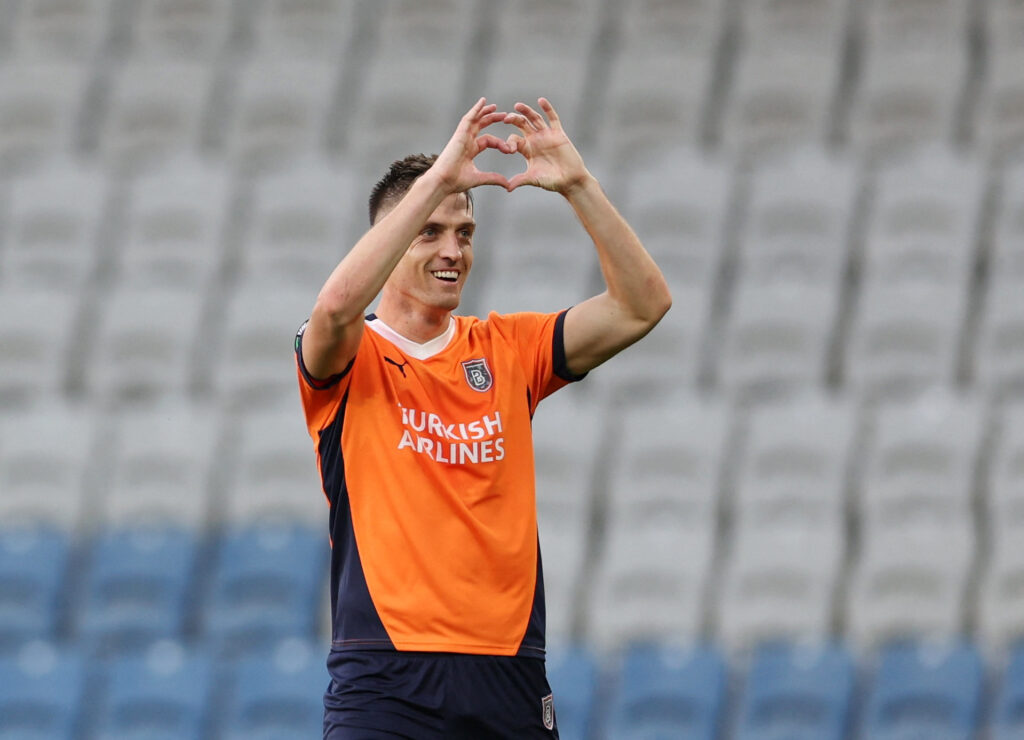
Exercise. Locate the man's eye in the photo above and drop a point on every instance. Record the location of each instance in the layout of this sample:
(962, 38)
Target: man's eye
(429, 232)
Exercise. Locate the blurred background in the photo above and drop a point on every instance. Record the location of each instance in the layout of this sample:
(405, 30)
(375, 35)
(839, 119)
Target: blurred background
(795, 510)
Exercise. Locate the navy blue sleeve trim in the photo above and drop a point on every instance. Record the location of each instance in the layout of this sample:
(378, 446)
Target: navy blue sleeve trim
(558, 351)
(316, 383)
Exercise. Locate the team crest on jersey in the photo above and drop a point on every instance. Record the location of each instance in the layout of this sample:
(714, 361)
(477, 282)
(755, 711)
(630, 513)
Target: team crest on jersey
(548, 711)
(478, 375)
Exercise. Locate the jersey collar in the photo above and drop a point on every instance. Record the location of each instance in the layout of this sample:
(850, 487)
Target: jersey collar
(413, 349)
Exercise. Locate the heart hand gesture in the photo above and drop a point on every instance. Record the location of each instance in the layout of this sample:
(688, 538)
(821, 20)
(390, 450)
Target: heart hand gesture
(552, 161)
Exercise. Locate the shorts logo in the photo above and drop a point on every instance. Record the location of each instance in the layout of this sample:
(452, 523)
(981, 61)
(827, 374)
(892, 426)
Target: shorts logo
(548, 711)
(478, 375)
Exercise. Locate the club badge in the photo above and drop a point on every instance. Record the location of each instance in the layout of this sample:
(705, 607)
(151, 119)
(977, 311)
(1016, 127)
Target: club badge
(548, 711)
(478, 375)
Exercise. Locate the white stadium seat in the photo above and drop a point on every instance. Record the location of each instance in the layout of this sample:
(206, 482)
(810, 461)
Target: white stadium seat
(46, 483)
(78, 30)
(176, 222)
(144, 343)
(280, 109)
(273, 475)
(312, 29)
(911, 584)
(41, 107)
(781, 99)
(156, 108)
(55, 226)
(919, 463)
(162, 466)
(37, 330)
(794, 464)
(169, 29)
(777, 338)
(779, 586)
(798, 222)
(297, 223)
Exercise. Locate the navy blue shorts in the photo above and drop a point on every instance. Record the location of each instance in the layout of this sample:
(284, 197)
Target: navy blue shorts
(421, 696)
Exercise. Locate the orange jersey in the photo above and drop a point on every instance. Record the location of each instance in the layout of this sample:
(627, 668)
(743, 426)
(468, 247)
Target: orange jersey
(426, 457)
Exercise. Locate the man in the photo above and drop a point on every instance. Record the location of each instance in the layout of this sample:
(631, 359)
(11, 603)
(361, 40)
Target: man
(421, 423)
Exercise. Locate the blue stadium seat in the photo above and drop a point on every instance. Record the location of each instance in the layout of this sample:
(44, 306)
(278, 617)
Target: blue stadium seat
(796, 692)
(41, 693)
(573, 675)
(137, 588)
(163, 694)
(277, 694)
(924, 691)
(665, 693)
(267, 585)
(33, 566)
(1007, 717)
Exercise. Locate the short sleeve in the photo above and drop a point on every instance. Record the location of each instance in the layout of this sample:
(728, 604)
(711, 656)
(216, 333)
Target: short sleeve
(321, 398)
(539, 342)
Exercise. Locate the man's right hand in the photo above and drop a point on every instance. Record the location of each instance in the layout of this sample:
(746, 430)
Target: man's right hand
(455, 165)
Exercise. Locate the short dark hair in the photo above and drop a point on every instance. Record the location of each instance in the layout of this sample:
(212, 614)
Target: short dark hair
(396, 182)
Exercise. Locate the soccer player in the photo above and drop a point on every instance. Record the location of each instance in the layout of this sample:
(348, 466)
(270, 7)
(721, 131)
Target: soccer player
(421, 425)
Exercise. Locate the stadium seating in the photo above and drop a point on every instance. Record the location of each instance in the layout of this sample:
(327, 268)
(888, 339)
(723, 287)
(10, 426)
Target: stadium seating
(137, 588)
(34, 573)
(177, 220)
(820, 443)
(264, 586)
(42, 102)
(43, 692)
(54, 234)
(155, 109)
(922, 690)
(276, 694)
(574, 675)
(661, 693)
(1006, 719)
(165, 693)
(165, 29)
(797, 692)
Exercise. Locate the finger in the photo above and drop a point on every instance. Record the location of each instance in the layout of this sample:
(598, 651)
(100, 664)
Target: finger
(489, 118)
(475, 110)
(532, 116)
(516, 142)
(520, 122)
(549, 111)
(489, 141)
(518, 180)
(491, 178)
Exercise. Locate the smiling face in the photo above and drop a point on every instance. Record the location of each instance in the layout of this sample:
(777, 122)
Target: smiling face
(434, 269)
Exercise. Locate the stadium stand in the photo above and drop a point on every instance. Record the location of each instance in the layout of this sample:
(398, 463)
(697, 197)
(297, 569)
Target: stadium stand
(42, 693)
(164, 692)
(793, 510)
(799, 692)
(668, 692)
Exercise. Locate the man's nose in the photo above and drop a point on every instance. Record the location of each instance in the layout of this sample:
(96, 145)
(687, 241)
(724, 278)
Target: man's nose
(450, 247)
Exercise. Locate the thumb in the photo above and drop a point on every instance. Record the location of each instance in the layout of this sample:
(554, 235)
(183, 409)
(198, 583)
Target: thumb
(491, 178)
(523, 178)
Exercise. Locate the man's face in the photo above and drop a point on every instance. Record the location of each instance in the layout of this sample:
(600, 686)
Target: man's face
(434, 268)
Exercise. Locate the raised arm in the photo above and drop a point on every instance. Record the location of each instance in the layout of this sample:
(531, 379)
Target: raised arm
(636, 295)
(335, 326)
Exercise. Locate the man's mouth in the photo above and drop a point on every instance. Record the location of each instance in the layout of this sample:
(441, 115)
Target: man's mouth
(449, 276)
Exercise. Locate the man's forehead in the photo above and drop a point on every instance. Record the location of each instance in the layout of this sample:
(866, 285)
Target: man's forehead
(456, 206)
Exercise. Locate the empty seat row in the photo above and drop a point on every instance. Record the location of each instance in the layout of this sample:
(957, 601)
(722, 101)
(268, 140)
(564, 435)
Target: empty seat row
(784, 690)
(170, 690)
(126, 588)
(789, 690)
